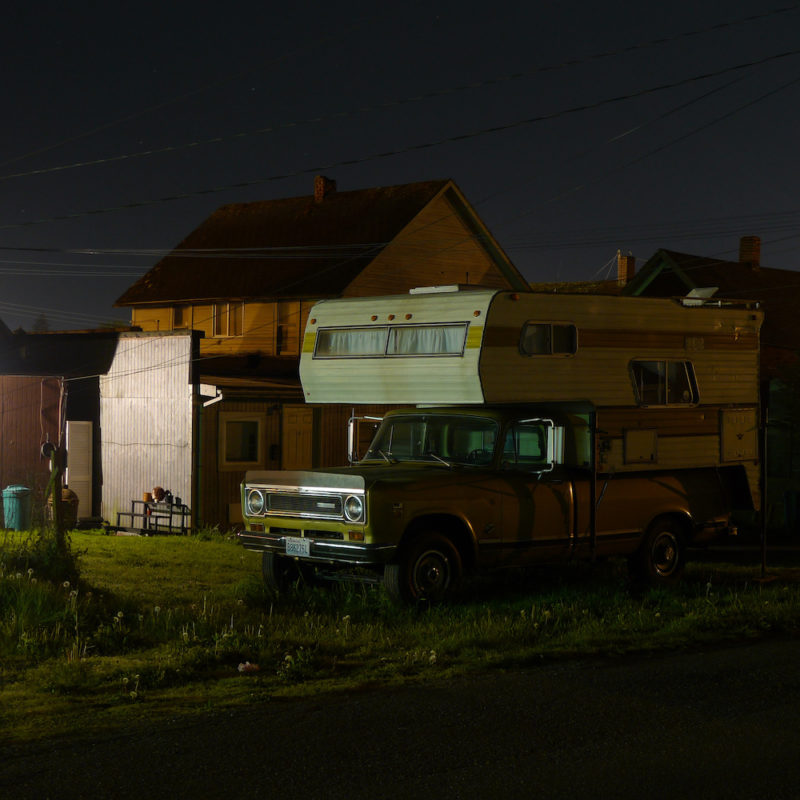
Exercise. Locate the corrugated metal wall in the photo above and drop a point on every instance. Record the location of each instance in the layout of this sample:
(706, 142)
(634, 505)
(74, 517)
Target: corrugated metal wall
(28, 417)
(146, 420)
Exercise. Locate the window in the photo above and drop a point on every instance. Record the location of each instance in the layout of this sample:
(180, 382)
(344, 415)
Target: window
(525, 446)
(547, 338)
(240, 440)
(446, 339)
(440, 438)
(664, 383)
(181, 317)
(228, 319)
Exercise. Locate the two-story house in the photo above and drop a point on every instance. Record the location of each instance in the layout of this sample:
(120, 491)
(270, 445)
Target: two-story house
(247, 278)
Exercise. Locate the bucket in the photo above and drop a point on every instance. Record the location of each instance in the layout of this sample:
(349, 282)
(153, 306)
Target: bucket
(17, 507)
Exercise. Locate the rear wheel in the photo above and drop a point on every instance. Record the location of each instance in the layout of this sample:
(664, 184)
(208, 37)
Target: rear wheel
(661, 558)
(429, 569)
(282, 573)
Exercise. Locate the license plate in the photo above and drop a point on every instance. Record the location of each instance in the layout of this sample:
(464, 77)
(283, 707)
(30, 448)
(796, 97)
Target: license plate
(297, 547)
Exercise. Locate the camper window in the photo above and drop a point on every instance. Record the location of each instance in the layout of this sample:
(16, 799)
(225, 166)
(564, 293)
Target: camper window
(664, 383)
(427, 340)
(546, 338)
(446, 339)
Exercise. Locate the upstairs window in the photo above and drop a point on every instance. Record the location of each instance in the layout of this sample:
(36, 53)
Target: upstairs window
(228, 319)
(548, 339)
(664, 383)
(181, 316)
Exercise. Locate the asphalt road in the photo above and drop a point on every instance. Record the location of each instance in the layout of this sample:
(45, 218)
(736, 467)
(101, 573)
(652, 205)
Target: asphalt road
(722, 723)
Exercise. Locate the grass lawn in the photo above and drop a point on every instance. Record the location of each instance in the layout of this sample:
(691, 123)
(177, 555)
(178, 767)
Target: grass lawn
(164, 626)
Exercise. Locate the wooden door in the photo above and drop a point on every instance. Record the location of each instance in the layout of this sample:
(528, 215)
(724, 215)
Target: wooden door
(297, 437)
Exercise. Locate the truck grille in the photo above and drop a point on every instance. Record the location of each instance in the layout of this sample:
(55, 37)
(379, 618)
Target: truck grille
(306, 505)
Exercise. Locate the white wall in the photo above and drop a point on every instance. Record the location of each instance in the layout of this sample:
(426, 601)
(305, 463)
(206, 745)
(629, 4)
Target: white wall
(146, 420)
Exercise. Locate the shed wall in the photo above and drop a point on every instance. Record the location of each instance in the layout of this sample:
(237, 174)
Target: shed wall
(146, 419)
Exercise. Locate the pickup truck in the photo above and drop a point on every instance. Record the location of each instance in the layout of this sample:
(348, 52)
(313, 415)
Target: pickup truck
(442, 492)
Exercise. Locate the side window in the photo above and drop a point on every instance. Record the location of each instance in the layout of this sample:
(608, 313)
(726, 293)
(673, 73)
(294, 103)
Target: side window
(664, 383)
(548, 338)
(525, 446)
(240, 440)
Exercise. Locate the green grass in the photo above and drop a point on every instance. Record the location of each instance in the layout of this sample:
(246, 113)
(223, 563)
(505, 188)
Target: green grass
(172, 625)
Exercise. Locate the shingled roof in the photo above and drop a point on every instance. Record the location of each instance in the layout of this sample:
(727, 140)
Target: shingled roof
(670, 274)
(292, 247)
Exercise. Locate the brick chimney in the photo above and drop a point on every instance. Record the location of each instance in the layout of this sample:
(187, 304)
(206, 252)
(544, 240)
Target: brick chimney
(750, 251)
(626, 268)
(323, 187)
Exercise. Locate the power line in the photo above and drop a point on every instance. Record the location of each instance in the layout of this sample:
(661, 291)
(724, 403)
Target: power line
(410, 148)
(396, 103)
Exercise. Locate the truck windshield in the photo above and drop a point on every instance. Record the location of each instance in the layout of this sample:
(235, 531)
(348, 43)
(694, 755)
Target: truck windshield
(435, 437)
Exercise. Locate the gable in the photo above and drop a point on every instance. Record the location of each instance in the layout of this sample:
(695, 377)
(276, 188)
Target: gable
(293, 247)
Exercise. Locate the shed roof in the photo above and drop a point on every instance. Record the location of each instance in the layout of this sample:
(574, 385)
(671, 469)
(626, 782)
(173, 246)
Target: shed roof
(291, 247)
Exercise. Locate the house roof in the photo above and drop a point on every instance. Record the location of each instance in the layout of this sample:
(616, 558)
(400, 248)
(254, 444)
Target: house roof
(292, 247)
(668, 274)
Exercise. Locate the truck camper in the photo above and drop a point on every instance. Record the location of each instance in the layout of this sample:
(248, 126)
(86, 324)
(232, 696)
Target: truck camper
(539, 427)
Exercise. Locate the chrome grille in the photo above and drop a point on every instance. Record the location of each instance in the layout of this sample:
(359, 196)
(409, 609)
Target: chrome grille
(306, 505)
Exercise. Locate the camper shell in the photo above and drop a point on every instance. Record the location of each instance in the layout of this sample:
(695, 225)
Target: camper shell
(600, 404)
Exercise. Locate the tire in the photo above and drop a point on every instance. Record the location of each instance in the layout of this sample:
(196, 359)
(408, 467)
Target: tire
(281, 573)
(429, 569)
(661, 557)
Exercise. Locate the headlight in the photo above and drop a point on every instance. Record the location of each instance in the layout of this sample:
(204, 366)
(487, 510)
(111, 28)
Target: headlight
(354, 508)
(255, 502)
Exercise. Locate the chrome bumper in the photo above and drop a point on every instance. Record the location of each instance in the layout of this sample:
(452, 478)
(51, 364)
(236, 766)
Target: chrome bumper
(322, 551)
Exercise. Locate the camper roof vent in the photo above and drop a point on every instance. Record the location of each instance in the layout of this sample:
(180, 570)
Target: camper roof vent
(433, 289)
(698, 296)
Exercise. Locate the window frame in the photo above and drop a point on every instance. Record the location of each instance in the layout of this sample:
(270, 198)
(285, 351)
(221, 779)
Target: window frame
(216, 315)
(688, 371)
(391, 335)
(227, 417)
(550, 338)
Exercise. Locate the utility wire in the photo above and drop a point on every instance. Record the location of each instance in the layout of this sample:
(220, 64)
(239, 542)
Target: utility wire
(489, 82)
(411, 148)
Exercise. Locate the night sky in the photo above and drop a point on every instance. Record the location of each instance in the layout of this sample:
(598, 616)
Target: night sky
(574, 128)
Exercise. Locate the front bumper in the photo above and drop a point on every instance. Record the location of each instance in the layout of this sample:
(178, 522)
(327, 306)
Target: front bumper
(322, 551)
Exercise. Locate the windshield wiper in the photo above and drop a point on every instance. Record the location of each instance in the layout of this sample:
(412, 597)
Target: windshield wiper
(439, 459)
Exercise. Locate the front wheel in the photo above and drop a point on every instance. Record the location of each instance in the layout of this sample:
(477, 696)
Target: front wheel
(660, 559)
(429, 569)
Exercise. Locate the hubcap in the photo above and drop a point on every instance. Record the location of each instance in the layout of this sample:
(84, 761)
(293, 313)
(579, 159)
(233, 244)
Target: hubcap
(431, 574)
(665, 553)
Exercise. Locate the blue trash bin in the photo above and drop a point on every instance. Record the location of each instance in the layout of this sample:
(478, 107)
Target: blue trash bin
(17, 507)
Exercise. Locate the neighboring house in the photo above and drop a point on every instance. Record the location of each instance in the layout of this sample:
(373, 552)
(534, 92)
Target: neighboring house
(247, 278)
(49, 397)
(668, 273)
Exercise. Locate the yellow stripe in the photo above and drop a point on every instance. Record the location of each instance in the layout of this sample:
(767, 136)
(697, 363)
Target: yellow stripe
(309, 340)
(474, 336)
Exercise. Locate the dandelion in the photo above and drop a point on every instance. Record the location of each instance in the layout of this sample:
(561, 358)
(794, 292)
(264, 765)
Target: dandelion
(432, 657)
(157, 610)
(65, 584)
(120, 615)
(30, 571)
